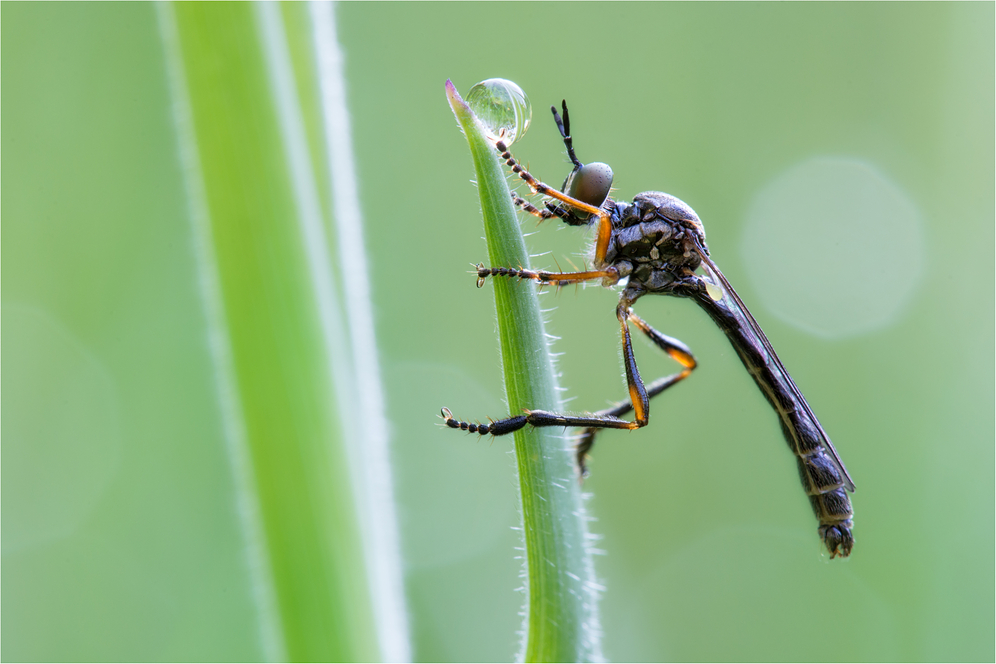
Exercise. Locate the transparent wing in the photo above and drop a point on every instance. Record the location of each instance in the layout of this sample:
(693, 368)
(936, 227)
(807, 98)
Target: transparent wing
(750, 341)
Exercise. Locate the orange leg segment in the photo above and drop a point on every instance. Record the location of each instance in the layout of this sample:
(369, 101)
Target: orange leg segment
(610, 274)
(604, 221)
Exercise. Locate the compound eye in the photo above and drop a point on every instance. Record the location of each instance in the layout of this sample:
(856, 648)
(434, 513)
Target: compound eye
(591, 183)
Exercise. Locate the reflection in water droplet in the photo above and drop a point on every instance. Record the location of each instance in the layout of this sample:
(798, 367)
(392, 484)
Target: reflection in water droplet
(502, 107)
(834, 247)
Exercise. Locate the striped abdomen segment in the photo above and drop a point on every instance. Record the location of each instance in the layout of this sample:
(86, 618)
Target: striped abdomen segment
(823, 475)
(822, 479)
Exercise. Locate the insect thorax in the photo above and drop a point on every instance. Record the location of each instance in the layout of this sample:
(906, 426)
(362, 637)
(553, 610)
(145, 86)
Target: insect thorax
(658, 236)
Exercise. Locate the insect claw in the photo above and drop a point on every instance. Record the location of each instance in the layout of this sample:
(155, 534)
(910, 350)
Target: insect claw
(448, 419)
(482, 274)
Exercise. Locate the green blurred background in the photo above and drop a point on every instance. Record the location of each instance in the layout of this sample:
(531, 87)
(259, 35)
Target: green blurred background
(841, 157)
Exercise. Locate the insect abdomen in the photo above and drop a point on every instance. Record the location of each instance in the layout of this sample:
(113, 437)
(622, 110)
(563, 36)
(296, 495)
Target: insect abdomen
(822, 478)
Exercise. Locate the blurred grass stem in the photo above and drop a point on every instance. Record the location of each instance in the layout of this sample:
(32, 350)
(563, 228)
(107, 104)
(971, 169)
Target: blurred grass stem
(310, 482)
(378, 518)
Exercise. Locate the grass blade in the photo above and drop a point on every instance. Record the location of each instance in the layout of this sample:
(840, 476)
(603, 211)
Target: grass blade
(265, 250)
(561, 619)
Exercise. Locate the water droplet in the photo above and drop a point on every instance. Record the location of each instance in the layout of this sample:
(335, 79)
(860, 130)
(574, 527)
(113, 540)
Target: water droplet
(502, 107)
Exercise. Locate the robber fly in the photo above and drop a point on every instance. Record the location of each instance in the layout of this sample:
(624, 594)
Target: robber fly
(656, 244)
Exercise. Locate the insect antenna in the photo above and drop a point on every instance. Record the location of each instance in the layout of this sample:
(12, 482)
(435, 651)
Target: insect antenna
(565, 131)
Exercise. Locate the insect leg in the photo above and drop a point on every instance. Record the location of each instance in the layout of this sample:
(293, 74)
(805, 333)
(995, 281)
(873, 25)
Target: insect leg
(548, 213)
(538, 418)
(541, 418)
(678, 351)
(547, 278)
(541, 187)
(604, 220)
(567, 216)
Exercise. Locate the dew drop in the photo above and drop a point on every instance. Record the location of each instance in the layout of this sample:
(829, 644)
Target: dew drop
(502, 107)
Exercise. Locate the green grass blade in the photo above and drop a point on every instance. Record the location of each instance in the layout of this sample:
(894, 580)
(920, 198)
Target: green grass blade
(374, 485)
(561, 614)
(265, 247)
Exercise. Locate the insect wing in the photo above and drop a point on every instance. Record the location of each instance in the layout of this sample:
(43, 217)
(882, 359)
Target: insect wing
(721, 290)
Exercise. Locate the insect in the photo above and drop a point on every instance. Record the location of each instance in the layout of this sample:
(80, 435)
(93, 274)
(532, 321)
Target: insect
(656, 244)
